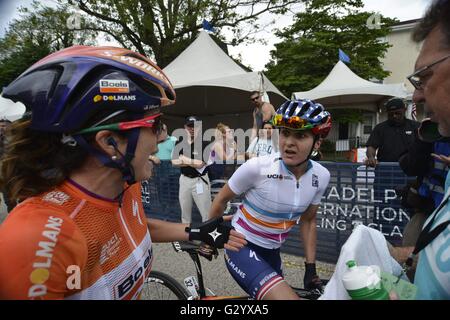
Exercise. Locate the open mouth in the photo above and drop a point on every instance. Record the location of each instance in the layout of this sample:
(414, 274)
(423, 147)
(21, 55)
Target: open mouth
(290, 152)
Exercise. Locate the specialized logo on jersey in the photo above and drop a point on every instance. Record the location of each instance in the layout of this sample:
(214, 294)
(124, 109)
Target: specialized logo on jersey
(44, 256)
(136, 211)
(57, 197)
(315, 180)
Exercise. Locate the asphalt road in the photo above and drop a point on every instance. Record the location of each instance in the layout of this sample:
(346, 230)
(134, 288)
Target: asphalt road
(216, 276)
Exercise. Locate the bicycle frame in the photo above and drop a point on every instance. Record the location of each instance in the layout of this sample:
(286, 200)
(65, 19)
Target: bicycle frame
(194, 255)
(198, 268)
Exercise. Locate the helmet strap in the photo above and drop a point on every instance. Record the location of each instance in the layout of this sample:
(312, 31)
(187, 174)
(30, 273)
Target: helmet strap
(124, 163)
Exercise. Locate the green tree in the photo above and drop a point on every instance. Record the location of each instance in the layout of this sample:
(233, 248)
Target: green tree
(309, 47)
(39, 31)
(164, 28)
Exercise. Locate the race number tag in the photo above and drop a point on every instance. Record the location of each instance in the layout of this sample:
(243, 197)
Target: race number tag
(191, 284)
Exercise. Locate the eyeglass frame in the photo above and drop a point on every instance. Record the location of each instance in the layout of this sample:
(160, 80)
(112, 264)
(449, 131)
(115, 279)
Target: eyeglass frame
(418, 84)
(153, 121)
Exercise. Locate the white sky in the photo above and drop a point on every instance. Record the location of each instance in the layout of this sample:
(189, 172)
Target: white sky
(257, 55)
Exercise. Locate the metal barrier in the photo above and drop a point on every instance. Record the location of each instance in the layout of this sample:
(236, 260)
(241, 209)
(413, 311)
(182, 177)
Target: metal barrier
(356, 195)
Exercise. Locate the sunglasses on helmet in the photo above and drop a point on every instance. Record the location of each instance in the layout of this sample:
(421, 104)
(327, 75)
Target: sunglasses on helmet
(293, 122)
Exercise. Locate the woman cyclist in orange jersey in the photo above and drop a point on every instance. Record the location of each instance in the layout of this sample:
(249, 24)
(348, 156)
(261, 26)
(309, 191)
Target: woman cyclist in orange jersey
(73, 162)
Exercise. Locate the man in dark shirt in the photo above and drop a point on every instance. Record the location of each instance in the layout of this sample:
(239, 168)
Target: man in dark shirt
(392, 137)
(194, 181)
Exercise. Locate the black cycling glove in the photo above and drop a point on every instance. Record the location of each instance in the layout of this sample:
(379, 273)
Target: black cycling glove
(311, 280)
(213, 232)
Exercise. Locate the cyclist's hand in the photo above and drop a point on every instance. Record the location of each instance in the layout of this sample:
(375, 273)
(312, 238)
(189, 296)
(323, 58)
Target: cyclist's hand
(311, 280)
(236, 241)
(216, 233)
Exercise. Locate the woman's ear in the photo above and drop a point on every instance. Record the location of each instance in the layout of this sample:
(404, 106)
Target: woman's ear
(108, 142)
(317, 144)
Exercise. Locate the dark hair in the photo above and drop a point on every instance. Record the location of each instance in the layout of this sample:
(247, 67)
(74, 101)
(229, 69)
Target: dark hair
(5, 120)
(438, 14)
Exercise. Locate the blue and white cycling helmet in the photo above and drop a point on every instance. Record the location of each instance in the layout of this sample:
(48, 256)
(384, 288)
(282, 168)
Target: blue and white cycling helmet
(303, 114)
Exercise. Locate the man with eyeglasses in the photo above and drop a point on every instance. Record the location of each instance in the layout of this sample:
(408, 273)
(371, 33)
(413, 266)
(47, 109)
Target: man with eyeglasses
(431, 81)
(262, 112)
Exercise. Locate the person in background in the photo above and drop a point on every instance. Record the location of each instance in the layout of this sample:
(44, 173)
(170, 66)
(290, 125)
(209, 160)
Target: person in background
(262, 112)
(387, 142)
(194, 180)
(223, 151)
(391, 138)
(165, 147)
(263, 144)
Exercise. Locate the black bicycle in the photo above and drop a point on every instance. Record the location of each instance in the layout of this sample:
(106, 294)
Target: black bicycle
(161, 286)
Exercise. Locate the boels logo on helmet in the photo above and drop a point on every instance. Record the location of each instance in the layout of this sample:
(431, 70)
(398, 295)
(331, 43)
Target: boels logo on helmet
(114, 86)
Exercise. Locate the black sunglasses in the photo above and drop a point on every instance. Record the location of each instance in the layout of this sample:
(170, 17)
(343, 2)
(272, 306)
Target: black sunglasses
(415, 78)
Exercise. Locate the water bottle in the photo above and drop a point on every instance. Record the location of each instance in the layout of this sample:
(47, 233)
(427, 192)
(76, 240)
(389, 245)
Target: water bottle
(364, 282)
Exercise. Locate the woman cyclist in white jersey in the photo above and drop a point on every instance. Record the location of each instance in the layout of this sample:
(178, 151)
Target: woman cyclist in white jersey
(278, 190)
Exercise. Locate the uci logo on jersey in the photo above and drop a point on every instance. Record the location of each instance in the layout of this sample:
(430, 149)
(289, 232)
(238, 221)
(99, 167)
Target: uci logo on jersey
(279, 177)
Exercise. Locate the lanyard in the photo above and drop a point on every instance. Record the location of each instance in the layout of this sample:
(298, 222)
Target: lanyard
(426, 237)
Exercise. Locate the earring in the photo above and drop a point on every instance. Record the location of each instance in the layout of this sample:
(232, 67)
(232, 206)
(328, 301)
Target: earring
(114, 158)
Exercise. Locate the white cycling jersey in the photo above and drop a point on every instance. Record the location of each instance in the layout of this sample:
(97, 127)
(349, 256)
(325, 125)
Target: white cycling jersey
(274, 199)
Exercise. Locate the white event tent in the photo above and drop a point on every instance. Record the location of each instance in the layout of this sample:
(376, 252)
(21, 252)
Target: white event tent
(343, 87)
(211, 85)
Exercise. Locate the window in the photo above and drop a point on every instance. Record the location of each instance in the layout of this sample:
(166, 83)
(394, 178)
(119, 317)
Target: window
(367, 124)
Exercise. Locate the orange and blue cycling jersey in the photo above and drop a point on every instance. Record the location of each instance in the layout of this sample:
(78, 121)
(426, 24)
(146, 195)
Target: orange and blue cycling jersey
(71, 244)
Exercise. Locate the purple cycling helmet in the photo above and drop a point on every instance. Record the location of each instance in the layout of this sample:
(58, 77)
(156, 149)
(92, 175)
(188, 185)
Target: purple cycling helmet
(65, 89)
